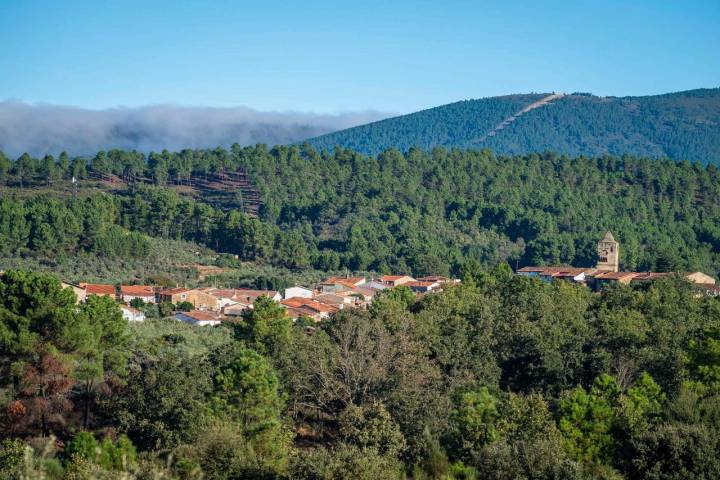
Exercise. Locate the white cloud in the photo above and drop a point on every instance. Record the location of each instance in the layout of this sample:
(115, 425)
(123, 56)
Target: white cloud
(42, 128)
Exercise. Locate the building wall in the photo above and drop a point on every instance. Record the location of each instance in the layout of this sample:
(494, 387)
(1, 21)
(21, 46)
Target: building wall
(146, 299)
(202, 300)
(294, 292)
(608, 255)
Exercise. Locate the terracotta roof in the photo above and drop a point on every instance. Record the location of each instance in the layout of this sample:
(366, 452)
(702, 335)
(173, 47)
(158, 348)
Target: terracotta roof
(393, 278)
(220, 292)
(173, 291)
(390, 278)
(433, 278)
(558, 271)
(99, 289)
(420, 284)
(137, 290)
(532, 269)
(650, 275)
(299, 302)
(331, 298)
(201, 315)
(608, 275)
(244, 295)
(348, 281)
(365, 291)
(298, 312)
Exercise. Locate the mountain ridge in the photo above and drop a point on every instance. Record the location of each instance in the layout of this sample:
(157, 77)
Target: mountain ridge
(679, 125)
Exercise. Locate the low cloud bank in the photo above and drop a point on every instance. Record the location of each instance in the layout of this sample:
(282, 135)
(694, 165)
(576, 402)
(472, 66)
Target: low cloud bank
(41, 129)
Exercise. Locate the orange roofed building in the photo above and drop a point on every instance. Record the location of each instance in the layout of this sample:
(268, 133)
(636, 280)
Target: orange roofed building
(312, 308)
(396, 280)
(99, 290)
(128, 293)
(173, 295)
(607, 270)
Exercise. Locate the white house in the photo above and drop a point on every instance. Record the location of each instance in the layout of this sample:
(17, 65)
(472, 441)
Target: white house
(128, 293)
(198, 317)
(131, 314)
(302, 292)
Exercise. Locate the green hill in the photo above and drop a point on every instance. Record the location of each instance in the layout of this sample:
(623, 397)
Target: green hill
(417, 212)
(681, 126)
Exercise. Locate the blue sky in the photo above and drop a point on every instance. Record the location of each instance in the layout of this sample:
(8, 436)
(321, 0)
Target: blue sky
(332, 56)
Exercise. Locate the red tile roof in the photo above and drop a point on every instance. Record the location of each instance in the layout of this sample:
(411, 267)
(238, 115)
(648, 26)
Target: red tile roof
(347, 281)
(173, 291)
(252, 295)
(608, 275)
(298, 312)
(365, 291)
(299, 302)
(201, 315)
(391, 278)
(420, 284)
(99, 289)
(562, 271)
(643, 276)
(433, 278)
(137, 290)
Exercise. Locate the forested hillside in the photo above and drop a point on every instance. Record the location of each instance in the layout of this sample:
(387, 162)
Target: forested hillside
(681, 126)
(501, 377)
(419, 212)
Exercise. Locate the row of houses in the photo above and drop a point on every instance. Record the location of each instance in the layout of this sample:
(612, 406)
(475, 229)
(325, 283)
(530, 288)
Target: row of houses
(597, 279)
(211, 305)
(607, 271)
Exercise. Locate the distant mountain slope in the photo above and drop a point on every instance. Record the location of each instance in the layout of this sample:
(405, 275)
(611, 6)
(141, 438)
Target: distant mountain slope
(682, 125)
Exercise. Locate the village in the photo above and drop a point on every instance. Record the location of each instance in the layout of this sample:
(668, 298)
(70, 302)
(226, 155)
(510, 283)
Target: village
(209, 306)
(607, 272)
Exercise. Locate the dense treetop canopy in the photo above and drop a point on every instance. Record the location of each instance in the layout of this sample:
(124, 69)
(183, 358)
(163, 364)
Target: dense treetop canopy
(418, 212)
(499, 377)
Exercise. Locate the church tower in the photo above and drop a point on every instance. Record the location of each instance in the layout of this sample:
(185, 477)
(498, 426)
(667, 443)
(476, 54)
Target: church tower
(608, 253)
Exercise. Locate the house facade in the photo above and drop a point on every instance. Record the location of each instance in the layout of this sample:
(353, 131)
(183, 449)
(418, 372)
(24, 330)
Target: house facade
(80, 292)
(173, 295)
(200, 299)
(128, 293)
(396, 280)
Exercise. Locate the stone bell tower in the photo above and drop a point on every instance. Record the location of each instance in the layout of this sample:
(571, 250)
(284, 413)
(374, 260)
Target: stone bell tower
(608, 253)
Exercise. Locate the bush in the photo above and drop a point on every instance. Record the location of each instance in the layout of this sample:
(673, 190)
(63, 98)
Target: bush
(345, 461)
(222, 452)
(83, 445)
(184, 306)
(371, 427)
(12, 459)
(674, 452)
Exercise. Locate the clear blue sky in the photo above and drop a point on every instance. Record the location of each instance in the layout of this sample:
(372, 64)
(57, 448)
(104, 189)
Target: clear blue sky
(333, 56)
